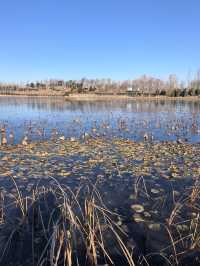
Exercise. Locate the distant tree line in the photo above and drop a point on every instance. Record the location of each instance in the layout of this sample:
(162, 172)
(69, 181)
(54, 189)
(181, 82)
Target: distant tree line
(145, 85)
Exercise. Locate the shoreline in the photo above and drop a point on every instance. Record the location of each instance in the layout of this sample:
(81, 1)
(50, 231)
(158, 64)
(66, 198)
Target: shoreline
(30, 95)
(94, 97)
(44, 93)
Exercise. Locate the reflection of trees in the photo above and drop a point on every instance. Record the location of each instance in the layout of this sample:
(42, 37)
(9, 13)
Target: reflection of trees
(133, 106)
(58, 104)
(35, 103)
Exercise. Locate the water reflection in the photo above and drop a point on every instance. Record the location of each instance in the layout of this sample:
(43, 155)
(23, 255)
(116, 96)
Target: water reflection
(164, 120)
(58, 104)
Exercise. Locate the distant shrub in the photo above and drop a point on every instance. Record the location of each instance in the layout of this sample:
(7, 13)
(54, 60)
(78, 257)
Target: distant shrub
(191, 92)
(163, 92)
(183, 93)
(173, 92)
(197, 92)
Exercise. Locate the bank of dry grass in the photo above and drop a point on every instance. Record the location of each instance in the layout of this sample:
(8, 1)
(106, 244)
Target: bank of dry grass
(39, 93)
(96, 97)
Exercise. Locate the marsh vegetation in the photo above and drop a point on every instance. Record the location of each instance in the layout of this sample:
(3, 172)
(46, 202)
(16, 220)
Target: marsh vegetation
(100, 183)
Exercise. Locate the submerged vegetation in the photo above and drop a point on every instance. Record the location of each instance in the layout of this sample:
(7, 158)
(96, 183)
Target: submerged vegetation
(100, 201)
(100, 184)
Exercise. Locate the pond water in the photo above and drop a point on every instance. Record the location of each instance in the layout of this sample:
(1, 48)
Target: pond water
(152, 187)
(161, 120)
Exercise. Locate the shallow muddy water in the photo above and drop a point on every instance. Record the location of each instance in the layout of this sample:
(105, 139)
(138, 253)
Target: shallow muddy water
(151, 187)
(162, 120)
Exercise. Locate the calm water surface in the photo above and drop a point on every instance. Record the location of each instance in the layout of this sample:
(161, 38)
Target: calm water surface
(163, 120)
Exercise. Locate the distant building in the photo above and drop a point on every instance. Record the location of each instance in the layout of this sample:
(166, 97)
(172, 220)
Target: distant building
(132, 92)
(60, 83)
(130, 89)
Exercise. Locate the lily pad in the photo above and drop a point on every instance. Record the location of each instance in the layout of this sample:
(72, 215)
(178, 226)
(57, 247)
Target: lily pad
(154, 227)
(138, 218)
(137, 208)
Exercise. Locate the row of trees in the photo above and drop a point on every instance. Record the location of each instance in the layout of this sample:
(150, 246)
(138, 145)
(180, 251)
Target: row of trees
(145, 85)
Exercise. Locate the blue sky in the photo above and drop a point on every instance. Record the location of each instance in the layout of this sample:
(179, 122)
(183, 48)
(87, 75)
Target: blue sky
(41, 39)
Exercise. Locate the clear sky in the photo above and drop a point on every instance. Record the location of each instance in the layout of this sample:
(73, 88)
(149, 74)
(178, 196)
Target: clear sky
(71, 39)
